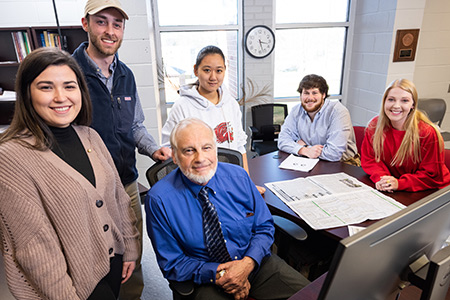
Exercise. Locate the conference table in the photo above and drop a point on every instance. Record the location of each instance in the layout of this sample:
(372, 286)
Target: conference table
(311, 292)
(264, 169)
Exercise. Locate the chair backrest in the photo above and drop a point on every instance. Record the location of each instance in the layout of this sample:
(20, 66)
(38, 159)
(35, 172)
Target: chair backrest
(158, 170)
(267, 120)
(434, 108)
(447, 158)
(230, 156)
(161, 168)
(359, 136)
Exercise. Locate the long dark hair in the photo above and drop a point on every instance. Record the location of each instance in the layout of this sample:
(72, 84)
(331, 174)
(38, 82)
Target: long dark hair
(207, 51)
(26, 121)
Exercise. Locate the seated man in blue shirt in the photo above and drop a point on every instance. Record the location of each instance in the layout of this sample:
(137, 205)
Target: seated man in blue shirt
(319, 127)
(175, 224)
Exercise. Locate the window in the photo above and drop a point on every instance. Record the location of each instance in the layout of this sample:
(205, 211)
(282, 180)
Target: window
(184, 31)
(197, 12)
(179, 52)
(310, 38)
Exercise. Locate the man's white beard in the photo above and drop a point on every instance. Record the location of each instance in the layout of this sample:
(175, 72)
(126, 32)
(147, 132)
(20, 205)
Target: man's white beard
(200, 179)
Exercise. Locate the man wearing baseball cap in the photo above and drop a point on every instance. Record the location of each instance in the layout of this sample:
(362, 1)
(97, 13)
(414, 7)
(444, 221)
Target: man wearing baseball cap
(117, 111)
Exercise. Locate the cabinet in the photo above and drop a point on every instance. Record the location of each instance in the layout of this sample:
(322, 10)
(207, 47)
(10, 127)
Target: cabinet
(9, 63)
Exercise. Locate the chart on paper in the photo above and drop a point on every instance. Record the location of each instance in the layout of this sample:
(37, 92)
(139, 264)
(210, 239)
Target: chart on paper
(334, 200)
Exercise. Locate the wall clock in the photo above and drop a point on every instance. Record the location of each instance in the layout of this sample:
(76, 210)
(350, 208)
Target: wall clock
(259, 41)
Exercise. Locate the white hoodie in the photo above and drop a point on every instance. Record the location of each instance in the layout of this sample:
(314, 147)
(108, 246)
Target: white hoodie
(225, 117)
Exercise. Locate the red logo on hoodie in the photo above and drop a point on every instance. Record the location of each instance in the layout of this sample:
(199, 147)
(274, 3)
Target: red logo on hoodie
(224, 132)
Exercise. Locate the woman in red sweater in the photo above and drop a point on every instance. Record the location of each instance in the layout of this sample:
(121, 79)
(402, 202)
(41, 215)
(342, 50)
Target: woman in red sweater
(402, 149)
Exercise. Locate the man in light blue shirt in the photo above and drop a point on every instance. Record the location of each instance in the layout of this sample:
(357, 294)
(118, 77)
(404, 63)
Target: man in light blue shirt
(174, 223)
(319, 127)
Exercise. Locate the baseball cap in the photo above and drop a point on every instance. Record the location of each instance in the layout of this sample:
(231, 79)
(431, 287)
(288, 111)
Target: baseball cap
(94, 6)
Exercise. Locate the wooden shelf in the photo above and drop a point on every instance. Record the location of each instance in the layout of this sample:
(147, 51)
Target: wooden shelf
(8, 58)
(9, 64)
(75, 35)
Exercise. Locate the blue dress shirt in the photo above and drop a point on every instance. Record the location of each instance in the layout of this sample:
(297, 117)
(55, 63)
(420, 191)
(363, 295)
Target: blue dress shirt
(174, 222)
(331, 127)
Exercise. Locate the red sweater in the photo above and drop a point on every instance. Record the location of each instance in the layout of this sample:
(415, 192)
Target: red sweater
(429, 173)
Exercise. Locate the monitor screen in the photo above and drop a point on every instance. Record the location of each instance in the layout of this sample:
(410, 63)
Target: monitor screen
(372, 263)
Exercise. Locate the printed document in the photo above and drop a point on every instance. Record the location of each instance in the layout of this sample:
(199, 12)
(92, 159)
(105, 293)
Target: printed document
(334, 200)
(8, 96)
(297, 163)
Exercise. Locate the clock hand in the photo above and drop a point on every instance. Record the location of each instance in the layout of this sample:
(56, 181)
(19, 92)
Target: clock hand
(260, 45)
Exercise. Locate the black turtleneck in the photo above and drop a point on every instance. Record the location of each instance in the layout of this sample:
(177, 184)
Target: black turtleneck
(70, 149)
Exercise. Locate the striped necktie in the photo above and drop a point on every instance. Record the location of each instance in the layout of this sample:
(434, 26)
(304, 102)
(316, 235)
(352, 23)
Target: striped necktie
(215, 243)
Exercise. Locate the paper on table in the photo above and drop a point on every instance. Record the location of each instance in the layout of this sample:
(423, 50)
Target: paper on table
(354, 229)
(447, 242)
(297, 163)
(334, 200)
(8, 96)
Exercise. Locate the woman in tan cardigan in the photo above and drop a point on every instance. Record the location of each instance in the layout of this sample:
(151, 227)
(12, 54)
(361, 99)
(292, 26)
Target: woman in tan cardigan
(66, 226)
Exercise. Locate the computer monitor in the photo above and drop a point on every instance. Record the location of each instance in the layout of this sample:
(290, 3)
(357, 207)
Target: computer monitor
(372, 263)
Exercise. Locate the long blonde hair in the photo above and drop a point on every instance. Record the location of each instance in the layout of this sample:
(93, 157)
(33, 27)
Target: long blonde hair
(410, 146)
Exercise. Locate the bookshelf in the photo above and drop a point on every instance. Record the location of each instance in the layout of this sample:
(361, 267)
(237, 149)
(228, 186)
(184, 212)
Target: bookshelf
(9, 62)
(75, 35)
(10, 59)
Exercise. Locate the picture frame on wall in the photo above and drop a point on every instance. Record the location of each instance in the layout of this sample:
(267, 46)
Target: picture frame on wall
(406, 45)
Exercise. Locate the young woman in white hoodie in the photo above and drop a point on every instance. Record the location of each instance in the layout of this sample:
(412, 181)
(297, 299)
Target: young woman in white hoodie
(209, 101)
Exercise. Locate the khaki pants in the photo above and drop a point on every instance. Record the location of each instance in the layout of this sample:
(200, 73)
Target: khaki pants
(132, 289)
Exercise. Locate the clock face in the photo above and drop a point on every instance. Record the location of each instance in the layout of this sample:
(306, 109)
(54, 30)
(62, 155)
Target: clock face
(259, 41)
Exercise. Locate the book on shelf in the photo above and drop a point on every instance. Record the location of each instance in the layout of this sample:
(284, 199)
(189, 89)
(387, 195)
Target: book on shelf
(22, 44)
(27, 42)
(16, 47)
(64, 44)
(51, 39)
(57, 39)
(22, 47)
(47, 42)
(42, 40)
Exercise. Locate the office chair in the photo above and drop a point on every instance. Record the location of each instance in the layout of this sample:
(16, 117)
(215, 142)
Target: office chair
(447, 158)
(158, 170)
(161, 168)
(267, 121)
(435, 109)
(182, 290)
(359, 136)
